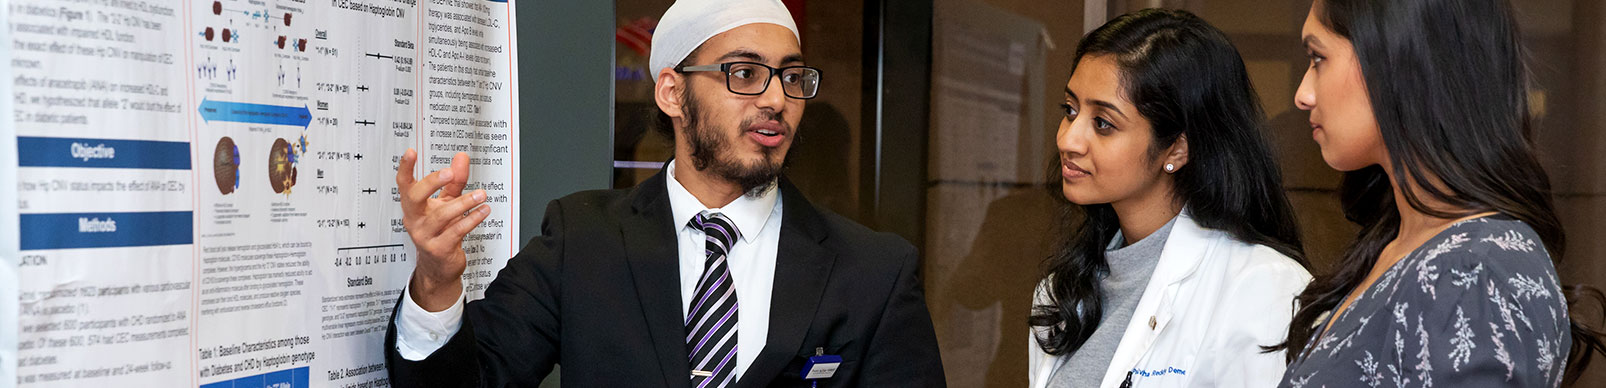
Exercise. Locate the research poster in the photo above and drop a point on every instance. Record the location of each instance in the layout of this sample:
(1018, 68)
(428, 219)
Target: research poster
(204, 190)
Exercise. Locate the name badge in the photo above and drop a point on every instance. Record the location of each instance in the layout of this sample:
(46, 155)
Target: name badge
(821, 367)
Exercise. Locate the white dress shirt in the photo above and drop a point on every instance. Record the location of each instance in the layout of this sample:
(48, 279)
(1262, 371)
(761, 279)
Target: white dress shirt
(751, 261)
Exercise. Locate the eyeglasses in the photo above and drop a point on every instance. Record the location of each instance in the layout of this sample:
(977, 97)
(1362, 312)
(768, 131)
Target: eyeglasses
(752, 79)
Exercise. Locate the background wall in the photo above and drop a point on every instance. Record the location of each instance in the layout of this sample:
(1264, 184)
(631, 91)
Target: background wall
(566, 94)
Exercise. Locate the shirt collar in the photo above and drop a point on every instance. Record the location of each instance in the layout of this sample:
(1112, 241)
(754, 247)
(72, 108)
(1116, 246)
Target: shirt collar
(750, 213)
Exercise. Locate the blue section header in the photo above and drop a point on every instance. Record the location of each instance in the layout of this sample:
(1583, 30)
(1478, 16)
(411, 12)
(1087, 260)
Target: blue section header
(105, 230)
(102, 153)
(292, 378)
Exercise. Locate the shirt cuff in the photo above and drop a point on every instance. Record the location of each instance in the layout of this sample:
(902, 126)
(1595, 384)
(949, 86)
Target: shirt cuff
(419, 332)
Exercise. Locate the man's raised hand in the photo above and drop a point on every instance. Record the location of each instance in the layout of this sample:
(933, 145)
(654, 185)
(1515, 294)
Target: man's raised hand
(437, 225)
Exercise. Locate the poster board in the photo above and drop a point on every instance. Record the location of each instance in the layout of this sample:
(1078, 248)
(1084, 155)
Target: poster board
(204, 189)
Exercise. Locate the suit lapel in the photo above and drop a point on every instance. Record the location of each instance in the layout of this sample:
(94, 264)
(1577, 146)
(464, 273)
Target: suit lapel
(801, 268)
(650, 247)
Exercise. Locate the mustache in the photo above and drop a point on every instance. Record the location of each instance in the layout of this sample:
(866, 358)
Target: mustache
(766, 115)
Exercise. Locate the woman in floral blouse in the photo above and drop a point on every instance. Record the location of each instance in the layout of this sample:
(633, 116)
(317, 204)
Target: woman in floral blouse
(1451, 282)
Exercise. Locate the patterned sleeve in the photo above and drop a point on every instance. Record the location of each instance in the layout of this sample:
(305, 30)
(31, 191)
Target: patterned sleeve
(1487, 311)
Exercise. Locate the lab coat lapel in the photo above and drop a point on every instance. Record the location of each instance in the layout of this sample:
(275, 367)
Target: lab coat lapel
(1184, 249)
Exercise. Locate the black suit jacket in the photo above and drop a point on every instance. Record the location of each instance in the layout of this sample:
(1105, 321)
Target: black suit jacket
(599, 293)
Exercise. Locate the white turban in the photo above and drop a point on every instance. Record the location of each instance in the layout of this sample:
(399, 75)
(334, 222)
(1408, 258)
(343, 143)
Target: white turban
(689, 23)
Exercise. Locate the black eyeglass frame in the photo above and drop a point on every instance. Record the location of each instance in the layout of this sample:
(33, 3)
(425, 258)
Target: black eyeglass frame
(773, 73)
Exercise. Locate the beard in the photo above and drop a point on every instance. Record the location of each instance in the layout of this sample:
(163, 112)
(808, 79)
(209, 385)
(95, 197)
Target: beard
(711, 152)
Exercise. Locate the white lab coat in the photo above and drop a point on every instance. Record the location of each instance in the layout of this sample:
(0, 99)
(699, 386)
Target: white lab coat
(1213, 301)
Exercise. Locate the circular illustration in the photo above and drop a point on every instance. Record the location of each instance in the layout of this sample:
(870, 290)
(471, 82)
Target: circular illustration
(226, 165)
(282, 166)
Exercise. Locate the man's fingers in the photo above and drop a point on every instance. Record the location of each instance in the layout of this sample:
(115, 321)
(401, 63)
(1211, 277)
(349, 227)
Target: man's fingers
(449, 243)
(442, 212)
(404, 184)
(459, 229)
(456, 207)
(431, 183)
(404, 171)
(459, 169)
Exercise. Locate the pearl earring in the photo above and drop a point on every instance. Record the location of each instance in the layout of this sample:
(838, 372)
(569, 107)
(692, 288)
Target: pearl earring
(1170, 167)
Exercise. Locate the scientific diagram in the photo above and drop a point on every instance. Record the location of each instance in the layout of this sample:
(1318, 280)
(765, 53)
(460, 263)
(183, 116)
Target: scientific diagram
(282, 160)
(226, 165)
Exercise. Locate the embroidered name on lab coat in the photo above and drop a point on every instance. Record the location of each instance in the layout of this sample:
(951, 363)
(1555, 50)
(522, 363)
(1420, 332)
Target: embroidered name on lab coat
(1159, 372)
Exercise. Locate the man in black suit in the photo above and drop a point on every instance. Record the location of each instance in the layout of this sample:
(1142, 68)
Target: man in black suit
(716, 272)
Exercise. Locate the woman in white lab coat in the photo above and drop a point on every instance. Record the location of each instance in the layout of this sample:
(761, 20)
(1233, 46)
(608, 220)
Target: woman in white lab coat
(1184, 268)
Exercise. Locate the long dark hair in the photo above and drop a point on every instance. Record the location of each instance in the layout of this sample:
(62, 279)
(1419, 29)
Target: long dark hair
(1448, 87)
(1187, 79)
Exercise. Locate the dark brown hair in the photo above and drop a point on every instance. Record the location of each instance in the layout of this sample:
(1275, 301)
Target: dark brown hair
(1448, 89)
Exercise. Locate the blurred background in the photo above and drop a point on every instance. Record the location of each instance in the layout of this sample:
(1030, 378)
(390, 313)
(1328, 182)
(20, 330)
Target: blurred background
(936, 121)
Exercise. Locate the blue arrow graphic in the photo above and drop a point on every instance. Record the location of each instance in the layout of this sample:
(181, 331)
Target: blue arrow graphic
(241, 112)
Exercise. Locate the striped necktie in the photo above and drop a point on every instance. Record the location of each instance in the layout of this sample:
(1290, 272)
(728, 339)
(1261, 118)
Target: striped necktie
(711, 323)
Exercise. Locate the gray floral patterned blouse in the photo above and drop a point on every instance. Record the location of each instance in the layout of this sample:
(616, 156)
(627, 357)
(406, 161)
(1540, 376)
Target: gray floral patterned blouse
(1479, 305)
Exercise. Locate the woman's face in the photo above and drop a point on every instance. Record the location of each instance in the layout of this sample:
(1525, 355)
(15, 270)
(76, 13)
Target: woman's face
(1104, 144)
(1334, 91)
